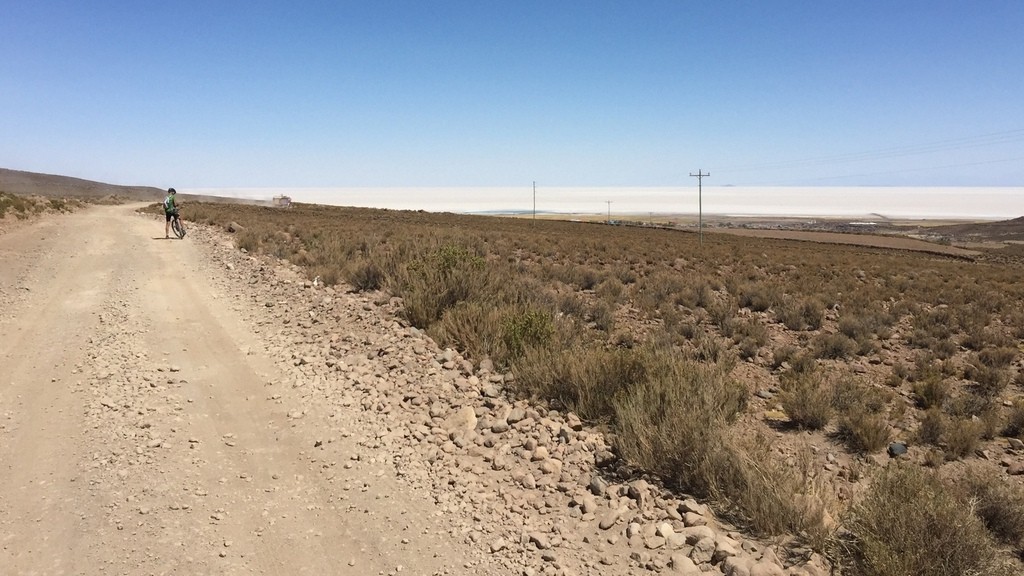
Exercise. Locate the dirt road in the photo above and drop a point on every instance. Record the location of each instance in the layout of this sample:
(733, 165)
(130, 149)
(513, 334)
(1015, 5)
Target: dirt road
(138, 436)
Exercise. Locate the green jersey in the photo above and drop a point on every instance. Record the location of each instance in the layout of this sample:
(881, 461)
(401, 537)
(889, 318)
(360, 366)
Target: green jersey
(169, 203)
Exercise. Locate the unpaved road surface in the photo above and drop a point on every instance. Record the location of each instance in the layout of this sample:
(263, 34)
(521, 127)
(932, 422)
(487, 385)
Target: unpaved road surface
(180, 407)
(135, 432)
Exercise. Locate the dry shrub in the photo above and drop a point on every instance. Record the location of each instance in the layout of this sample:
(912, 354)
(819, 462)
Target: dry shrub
(864, 431)
(910, 522)
(802, 362)
(625, 274)
(1015, 322)
(862, 423)
(722, 314)
(979, 338)
(707, 348)
(571, 304)
(603, 317)
(440, 279)
(1014, 427)
(932, 391)
(329, 275)
(610, 290)
(364, 275)
(695, 293)
(867, 319)
(853, 327)
(934, 458)
(475, 328)
(768, 496)
(944, 349)
(750, 336)
(588, 278)
(851, 395)
(807, 399)
(18, 205)
(932, 428)
(962, 436)
(525, 329)
(989, 380)
(998, 357)
(983, 409)
(813, 312)
(581, 378)
(1000, 504)
(248, 240)
(783, 354)
(688, 330)
(835, 346)
(658, 288)
(675, 422)
(757, 296)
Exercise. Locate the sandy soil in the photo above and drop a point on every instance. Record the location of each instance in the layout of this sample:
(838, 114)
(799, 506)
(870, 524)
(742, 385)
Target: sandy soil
(135, 435)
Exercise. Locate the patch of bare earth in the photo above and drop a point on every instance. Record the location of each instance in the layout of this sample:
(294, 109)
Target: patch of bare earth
(889, 242)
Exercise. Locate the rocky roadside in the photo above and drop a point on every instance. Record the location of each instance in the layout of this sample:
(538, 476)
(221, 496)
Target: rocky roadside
(534, 490)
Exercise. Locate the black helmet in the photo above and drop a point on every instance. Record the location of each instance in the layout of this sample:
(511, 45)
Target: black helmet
(172, 191)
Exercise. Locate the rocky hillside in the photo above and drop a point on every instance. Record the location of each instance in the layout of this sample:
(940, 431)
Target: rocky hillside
(49, 185)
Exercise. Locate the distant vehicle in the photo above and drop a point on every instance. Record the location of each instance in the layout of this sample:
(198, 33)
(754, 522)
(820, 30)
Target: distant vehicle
(282, 202)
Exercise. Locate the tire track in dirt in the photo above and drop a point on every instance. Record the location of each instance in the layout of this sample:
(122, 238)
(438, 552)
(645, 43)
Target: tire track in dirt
(58, 281)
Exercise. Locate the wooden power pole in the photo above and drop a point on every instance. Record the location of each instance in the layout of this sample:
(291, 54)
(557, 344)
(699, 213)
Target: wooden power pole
(700, 208)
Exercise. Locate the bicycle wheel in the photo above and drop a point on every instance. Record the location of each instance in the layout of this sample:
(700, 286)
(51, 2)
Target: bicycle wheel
(179, 231)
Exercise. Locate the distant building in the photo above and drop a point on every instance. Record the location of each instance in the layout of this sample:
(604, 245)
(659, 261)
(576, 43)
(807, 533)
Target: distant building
(282, 202)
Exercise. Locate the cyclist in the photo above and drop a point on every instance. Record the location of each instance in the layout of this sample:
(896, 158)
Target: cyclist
(170, 209)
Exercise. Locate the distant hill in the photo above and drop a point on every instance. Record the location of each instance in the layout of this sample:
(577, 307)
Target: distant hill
(1004, 230)
(53, 186)
(50, 185)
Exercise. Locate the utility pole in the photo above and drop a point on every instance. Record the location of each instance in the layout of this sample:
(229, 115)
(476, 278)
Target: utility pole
(609, 203)
(700, 208)
(534, 201)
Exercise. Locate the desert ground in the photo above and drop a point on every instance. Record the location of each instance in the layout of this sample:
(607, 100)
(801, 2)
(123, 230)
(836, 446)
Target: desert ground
(293, 391)
(180, 407)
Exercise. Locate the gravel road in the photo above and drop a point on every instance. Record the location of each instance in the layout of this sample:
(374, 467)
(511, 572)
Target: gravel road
(136, 435)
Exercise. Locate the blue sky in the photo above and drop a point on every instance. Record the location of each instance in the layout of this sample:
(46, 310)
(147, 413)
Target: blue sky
(488, 93)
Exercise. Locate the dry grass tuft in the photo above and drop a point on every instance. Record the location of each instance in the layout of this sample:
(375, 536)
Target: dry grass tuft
(807, 399)
(910, 522)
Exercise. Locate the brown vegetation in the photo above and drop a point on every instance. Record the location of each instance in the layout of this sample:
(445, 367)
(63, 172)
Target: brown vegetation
(21, 207)
(664, 342)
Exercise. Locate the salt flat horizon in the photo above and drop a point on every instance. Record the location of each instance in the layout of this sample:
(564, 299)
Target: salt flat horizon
(952, 203)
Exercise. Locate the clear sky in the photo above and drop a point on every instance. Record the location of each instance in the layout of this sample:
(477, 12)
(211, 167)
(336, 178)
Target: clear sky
(254, 93)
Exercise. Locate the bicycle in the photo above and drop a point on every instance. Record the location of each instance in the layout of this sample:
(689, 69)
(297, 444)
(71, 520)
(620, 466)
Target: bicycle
(179, 230)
